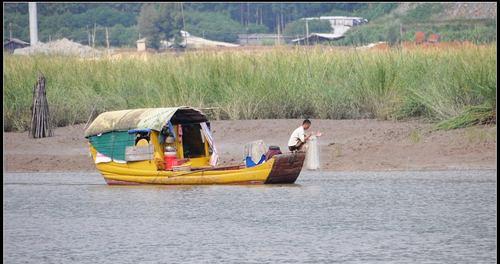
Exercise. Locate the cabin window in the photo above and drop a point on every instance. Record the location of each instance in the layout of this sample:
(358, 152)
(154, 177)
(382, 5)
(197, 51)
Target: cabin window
(144, 136)
(192, 141)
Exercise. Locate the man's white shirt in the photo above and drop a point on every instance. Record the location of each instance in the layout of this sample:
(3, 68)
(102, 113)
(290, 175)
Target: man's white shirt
(297, 134)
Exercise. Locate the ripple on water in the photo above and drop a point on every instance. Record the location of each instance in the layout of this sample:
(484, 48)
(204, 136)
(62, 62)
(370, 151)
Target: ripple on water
(351, 217)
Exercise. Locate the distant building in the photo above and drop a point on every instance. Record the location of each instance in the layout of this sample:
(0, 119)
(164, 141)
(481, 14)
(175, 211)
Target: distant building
(433, 38)
(13, 44)
(316, 38)
(343, 20)
(141, 44)
(419, 37)
(193, 42)
(262, 39)
(340, 24)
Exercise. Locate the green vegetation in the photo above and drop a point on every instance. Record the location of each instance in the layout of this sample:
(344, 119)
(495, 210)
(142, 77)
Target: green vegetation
(75, 21)
(415, 136)
(223, 21)
(160, 22)
(217, 21)
(422, 12)
(472, 115)
(477, 31)
(478, 135)
(435, 84)
(376, 10)
(215, 26)
(426, 17)
(372, 32)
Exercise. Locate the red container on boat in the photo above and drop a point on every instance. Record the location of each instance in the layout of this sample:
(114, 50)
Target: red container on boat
(170, 159)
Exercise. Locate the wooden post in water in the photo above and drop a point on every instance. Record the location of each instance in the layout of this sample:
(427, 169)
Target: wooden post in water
(40, 118)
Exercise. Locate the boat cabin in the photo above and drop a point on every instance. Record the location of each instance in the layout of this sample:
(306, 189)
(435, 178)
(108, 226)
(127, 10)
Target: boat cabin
(176, 138)
(175, 146)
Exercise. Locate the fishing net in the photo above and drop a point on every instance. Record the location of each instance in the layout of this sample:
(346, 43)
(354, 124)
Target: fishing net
(312, 154)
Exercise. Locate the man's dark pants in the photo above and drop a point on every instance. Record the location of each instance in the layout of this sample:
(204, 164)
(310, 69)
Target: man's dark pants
(296, 147)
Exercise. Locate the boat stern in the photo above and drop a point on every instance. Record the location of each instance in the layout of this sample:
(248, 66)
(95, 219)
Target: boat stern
(286, 168)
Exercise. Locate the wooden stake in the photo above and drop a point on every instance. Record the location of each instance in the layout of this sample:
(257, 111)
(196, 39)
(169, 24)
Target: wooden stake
(40, 119)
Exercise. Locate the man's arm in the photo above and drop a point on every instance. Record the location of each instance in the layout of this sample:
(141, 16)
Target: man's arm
(304, 137)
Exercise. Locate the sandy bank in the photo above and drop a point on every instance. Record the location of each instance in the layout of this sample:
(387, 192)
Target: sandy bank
(346, 145)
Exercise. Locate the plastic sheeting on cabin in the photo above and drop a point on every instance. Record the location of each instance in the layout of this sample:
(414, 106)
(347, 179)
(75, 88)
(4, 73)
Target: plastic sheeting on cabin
(143, 118)
(255, 153)
(113, 144)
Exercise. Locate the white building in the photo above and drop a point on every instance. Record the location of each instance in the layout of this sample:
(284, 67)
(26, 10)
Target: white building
(141, 44)
(340, 24)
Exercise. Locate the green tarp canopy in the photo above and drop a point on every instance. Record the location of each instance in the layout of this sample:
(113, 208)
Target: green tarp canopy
(113, 144)
(143, 118)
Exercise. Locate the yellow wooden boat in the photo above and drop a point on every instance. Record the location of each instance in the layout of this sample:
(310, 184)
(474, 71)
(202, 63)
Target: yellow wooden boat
(133, 146)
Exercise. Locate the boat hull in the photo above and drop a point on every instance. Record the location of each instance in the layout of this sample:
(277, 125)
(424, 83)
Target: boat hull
(280, 169)
(286, 168)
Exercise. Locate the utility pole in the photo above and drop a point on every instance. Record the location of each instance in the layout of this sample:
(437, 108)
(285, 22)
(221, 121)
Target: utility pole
(241, 13)
(281, 17)
(93, 36)
(401, 34)
(278, 26)
(248, 13)
(261, 15)
(107, 39)
(184, 26)
(257, 16)
(307, 31)
(88, 35)
(33, 23)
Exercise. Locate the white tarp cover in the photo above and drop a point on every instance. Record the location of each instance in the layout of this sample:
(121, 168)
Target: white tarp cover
(208, 135)
(143, 118)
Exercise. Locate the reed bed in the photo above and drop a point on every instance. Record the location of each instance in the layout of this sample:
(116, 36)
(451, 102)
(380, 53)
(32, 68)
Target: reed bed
(437, 84)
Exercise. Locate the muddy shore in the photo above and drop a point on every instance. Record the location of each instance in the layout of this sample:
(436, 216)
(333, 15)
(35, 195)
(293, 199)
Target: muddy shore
(346, 145)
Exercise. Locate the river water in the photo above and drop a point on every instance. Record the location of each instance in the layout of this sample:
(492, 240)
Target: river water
(361, 217)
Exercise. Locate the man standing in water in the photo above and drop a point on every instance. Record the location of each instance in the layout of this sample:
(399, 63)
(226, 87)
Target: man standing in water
(298, 137)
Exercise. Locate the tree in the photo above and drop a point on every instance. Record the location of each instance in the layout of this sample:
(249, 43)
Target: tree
(160, 22)
(393, 33)
(147, 25)
(122, 36)
(170, 22)
(213, 26)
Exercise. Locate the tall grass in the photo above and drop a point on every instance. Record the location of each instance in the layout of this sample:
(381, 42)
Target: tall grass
(437, 84)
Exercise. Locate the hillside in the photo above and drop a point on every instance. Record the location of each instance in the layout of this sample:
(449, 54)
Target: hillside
(453, 11)
(475, 22)
(223, 21)
(469, 11)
